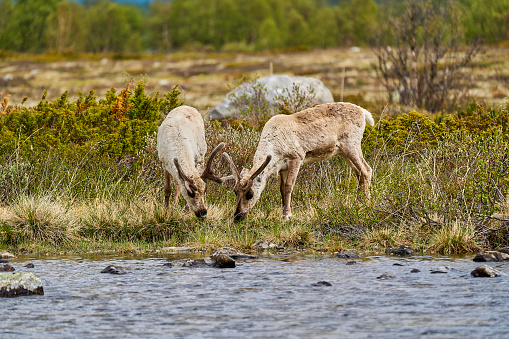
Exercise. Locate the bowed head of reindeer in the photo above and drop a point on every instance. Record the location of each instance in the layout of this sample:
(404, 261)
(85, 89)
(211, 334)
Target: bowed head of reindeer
(181, 147)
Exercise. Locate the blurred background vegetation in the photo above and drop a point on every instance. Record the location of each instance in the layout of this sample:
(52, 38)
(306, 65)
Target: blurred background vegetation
(163, 26)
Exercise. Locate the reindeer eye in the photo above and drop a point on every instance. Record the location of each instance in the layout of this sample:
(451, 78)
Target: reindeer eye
(249, 194)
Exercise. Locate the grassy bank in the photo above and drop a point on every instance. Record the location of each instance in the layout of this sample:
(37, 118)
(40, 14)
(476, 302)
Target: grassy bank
(439, 184)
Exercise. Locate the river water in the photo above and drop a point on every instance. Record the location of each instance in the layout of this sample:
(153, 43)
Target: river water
(272, 297)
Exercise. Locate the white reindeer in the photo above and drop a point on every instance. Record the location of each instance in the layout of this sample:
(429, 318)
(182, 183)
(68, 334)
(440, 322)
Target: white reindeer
(181, 148)
(289, 141)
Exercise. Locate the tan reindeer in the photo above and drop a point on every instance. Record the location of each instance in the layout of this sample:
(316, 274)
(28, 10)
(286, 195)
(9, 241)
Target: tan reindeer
(181, 148)
(289, 141)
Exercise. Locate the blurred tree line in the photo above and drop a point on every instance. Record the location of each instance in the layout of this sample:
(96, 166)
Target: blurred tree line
(98, 26)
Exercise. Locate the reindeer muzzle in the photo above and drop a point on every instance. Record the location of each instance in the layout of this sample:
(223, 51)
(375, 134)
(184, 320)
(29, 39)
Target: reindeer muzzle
(201, 213)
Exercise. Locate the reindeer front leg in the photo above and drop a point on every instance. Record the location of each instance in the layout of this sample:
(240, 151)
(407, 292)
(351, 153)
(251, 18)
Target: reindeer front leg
(291, 177)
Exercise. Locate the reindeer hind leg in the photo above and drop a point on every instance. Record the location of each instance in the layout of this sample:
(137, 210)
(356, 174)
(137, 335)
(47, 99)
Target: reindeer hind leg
(356, 161)
(167, 188)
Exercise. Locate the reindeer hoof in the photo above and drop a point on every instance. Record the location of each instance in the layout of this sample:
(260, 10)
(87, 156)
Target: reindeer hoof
(286, 217)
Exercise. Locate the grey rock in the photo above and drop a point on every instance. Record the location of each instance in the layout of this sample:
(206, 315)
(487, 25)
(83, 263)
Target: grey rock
(397, 264)
(353, 262)
(206, 262)
(387, 275)
(485, 271)
(504, 250)
(275, 85)
(322, 283)
(113, 269)
(6, 255)
(218, 260)
(263, 245)
(168, 264)
(491, 256)
(346, 254)
(441, 269)
(223, 261)
(233, 253)
(19, 283)
(415, 270)
(183, 249)
(6, 268)
(402, 250)
(29, 265)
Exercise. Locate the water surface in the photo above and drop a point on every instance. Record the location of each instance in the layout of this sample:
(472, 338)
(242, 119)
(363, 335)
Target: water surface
(273, 296)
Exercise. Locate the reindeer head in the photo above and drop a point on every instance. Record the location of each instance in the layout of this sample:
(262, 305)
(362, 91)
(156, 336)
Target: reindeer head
(248, 188)
(195, 187)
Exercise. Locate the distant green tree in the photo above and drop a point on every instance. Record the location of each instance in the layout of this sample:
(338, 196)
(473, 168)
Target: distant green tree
(112, 27)
(160, 27)
(25, 27)
(325, 27)
(269, 36)
(299, 29)
(65, 27)
(488, 20)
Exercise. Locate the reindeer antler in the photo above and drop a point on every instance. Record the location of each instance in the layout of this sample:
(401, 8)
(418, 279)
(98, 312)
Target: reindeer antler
(207, 172)
(235, 173)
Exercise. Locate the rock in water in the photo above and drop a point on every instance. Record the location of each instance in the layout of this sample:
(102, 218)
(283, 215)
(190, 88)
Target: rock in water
(402, 250)
(6, 255)
(387, 275)
(6, 268)
(262, 245)
(504, 250)
(18, 284)
(223, 261)
(491, 256)
(346, 254)
(485, 271)
(112, 269)
(233, 253)
(276, 85)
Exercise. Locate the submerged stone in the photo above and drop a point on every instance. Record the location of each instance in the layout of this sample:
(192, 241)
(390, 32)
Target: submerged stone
(485, 271)
(6, 268)
(402, 250)
(415, 270)
(113, 269)
(19, 284)
(387, 275)
(322, 283)
(346, 254)
(441, 269)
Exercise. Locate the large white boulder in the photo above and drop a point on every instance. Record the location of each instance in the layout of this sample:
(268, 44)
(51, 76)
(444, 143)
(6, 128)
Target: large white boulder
(275, 85)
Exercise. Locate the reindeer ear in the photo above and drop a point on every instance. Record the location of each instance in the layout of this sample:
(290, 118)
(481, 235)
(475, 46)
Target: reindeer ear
(190, 188)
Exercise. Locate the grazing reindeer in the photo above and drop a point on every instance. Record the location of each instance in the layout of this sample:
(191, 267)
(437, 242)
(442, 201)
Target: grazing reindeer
(289, 141)
(181, 148)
